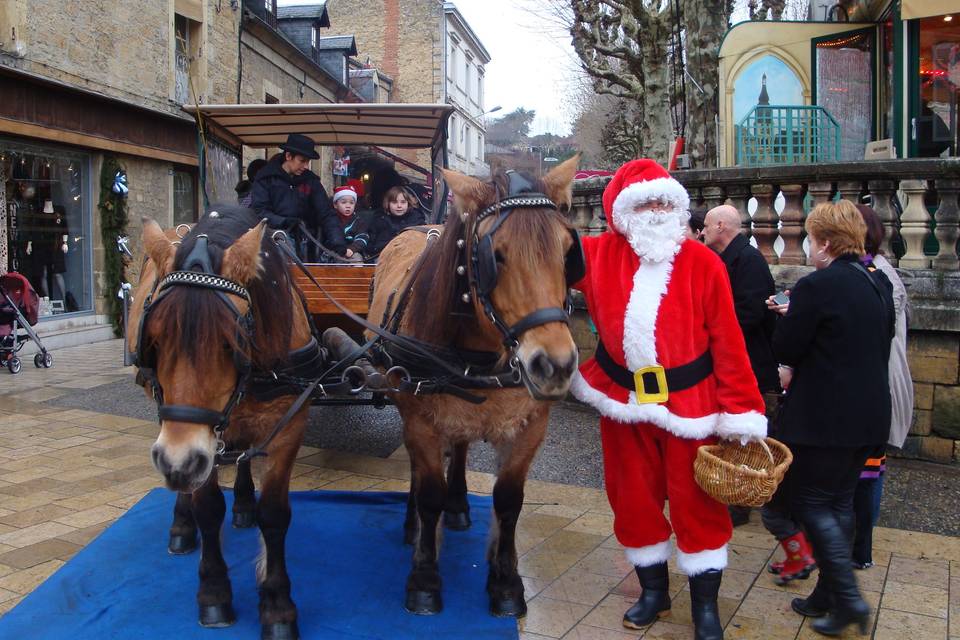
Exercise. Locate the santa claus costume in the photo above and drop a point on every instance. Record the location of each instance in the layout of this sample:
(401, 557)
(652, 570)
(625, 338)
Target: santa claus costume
(671, 374)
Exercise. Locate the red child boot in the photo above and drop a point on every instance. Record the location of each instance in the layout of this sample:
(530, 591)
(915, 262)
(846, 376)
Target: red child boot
(799, 562)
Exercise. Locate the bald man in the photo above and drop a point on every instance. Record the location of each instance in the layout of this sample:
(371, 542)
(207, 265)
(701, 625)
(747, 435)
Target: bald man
(752, 284)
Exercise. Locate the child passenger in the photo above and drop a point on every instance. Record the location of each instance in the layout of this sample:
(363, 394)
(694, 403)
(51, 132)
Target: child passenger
(353, 224)
(399, 212)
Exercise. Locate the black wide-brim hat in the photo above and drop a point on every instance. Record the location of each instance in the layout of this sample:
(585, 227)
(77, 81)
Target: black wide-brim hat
(301, 145)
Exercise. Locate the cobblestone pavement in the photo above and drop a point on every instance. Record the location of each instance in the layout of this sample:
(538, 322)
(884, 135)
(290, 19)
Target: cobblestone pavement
(67, 473)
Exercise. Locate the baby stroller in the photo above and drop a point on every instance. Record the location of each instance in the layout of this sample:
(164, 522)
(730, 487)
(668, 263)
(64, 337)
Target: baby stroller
(19, 305)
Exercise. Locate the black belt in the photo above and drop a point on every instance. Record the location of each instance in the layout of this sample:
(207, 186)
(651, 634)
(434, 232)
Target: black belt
(678, 378)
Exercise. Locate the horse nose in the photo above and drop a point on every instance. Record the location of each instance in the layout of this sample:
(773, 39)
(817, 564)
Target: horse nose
(547, 370)
(184, 476)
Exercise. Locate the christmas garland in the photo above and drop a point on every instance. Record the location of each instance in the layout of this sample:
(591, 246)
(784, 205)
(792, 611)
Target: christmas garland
(113, 223)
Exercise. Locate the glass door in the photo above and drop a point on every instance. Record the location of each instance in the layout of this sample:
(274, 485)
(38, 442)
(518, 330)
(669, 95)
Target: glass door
(843, 85)
(935, 86)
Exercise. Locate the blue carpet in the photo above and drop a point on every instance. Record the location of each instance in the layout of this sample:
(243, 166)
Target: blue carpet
(345, 556)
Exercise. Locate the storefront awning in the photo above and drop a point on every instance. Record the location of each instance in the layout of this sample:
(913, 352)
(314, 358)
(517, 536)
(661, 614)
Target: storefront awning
(390, 125)
(912, 9)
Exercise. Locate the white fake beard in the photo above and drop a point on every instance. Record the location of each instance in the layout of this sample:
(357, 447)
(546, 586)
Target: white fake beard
(655, 235)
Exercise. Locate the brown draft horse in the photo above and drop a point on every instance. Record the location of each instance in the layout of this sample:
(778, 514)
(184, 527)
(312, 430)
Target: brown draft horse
(194, 342)
(530, 247)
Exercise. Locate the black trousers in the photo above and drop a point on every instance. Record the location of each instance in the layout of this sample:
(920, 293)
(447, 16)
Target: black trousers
(820, 486)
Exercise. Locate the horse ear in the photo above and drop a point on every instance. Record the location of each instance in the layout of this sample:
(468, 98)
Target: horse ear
(241, 261)
(157, 246)
(469, 193)
(558, 183)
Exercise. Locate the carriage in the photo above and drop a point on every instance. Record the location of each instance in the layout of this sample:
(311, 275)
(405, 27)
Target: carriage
(464, 328)
(332, 290)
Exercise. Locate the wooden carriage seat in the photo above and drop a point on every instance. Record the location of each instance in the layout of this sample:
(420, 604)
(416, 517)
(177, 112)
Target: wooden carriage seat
(348, 283)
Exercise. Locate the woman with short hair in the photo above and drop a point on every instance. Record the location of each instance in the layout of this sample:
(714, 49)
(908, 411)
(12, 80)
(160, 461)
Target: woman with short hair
(833, 344)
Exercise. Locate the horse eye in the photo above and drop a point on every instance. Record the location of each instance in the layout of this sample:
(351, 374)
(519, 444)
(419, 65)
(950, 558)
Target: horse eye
(498, 257)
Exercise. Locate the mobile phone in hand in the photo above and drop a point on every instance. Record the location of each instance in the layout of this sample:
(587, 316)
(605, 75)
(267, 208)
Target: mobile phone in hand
(781, 298)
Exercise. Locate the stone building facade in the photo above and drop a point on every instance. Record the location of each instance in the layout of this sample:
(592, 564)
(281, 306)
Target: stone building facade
(87, 79)
(431, 54)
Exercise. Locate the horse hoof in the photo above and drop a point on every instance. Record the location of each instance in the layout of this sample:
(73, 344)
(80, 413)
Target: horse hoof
(508, 606)
(244, 519)
(424, 603)
(217, 615)
(182, 545)
(280, 631)
(456, 520)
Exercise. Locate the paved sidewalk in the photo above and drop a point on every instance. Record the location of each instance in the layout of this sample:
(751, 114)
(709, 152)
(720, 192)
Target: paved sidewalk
(65, 475)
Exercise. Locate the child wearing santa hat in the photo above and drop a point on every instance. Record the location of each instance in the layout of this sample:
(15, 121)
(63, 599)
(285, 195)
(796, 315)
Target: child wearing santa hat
(345, 205)
(670, 374)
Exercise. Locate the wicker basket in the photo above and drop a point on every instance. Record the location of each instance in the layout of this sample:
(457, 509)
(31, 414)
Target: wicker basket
(743, 475)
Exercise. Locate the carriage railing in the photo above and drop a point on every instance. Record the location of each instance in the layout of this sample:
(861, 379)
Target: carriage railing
(787, 134)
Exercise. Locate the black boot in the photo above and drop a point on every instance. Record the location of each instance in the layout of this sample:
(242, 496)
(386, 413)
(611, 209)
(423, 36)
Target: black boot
(815, 605)
(654, 597)
(704, 588)
(831, 545)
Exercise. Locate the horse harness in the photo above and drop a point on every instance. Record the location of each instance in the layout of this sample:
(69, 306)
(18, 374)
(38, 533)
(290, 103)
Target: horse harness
(197, 271)
(478, 368)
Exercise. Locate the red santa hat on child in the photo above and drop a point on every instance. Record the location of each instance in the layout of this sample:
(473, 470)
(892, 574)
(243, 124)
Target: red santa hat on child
(343, 192)
(640, 181)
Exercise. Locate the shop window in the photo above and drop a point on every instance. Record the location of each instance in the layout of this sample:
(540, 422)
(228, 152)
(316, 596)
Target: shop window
(45, 225)
(843, 85)
(184, 197)
(188, 35)
(937, 87)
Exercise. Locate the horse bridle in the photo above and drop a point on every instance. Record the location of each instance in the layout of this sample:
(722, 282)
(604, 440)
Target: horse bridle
(197, 271)
(483, 274)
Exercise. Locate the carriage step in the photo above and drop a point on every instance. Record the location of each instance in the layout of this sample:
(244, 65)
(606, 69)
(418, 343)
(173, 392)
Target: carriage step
(341, 346)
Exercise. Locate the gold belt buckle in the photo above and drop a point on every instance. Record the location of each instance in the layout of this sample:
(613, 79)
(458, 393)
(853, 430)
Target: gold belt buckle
(660, 395)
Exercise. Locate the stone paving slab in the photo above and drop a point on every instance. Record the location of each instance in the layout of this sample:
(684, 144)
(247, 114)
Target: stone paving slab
(67, 474)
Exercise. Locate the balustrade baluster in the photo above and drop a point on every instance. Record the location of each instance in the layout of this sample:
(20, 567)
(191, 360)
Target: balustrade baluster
(792, 224)
(914, 225)
(713, 197)
(850, 190)
(881, 196)
(820, 192)
(947, 217)
(738, 196)
(765, 220)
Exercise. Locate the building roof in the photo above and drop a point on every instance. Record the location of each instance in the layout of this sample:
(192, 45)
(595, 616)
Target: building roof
(333, 43)
(451, 9)
(305, 12)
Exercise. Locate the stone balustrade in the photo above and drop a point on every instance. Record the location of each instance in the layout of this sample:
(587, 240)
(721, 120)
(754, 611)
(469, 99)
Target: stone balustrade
(917, 201)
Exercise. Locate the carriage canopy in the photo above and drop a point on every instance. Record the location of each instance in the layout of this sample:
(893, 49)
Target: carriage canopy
(409, 126)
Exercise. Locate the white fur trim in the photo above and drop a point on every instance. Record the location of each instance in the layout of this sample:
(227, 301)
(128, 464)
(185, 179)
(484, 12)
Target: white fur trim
(666, 189)
(696, 563)
(640, 321)
(649, 555)
(751, 425)
(631, 412)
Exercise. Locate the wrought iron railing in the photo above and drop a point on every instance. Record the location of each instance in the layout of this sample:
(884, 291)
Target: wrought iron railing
(787, 134)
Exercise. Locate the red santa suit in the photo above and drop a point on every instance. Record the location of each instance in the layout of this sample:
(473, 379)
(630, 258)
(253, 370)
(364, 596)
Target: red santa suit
(669, 313)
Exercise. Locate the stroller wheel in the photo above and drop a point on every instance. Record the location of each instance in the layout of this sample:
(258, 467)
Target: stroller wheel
(47, 360)
(14, 365)
(38, 360)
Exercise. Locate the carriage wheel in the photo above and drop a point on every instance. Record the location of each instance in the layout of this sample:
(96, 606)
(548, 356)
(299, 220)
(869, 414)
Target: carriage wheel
(47, 360)
(14, 365)
(38, 360)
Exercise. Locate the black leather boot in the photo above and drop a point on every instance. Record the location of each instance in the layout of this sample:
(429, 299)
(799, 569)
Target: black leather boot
(815, 605)
(832, 547)
(704, 588)
(654, 597)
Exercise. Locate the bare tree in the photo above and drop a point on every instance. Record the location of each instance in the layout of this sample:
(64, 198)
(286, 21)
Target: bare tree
(660, 56)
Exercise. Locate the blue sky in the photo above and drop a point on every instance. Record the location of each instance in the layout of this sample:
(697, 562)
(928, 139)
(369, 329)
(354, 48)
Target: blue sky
(783, 86)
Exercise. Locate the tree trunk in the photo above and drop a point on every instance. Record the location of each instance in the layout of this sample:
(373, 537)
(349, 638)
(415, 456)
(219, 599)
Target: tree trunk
(705, 22)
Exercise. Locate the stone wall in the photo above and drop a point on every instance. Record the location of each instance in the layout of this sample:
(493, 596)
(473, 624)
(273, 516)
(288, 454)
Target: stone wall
(403, 39)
